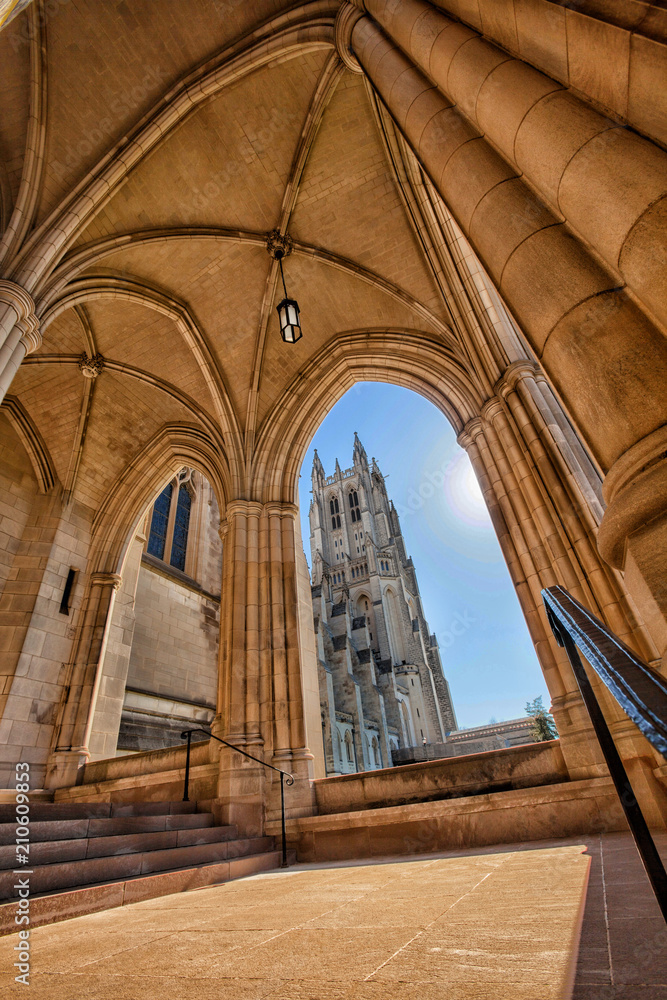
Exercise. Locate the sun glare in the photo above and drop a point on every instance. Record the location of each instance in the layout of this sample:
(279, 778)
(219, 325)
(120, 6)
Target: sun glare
(463, 494)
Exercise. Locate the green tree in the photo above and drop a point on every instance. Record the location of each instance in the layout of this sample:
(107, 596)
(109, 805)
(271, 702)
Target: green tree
(544, 727)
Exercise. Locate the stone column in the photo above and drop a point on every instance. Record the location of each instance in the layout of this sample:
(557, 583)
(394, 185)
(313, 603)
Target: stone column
(605, 180)
(19, 331)
(605, 352)
(261, 689)
(241, 782)
(72, 749)
(545, 542)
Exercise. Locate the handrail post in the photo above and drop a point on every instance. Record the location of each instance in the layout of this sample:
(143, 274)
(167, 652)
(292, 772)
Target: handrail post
(638, 827)
(283, 774)
(282, 817)
(188, 734)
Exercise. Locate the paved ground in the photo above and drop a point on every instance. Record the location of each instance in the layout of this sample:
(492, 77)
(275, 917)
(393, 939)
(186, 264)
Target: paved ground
(623, 946)
(484, 925)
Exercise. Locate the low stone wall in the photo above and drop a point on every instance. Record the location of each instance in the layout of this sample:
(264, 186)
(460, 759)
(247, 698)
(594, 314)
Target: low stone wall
(152, 776)
(530, 765)
(548, 813)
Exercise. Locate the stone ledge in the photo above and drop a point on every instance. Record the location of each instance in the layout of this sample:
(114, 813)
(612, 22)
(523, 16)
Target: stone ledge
(569, 809)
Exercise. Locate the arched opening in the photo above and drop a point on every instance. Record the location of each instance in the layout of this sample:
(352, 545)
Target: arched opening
(172, 662)
(436, 575)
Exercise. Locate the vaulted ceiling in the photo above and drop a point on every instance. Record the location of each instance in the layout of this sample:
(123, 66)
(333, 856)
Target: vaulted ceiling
(143, 159)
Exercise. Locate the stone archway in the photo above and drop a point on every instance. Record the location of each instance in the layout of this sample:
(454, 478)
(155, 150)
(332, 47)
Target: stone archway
(540, 495)
(113, 565)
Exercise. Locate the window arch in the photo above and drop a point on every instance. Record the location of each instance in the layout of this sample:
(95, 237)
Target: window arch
(159, 522)
(334, 508)
(181, 527)
(376, 752)
(348, 747)
(170, 520)
(337, 746)
(353, 500)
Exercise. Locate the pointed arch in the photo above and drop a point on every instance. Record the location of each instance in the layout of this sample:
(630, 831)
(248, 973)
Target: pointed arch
(174, 446)
(33, 442)
(89, 289)
(409, 358)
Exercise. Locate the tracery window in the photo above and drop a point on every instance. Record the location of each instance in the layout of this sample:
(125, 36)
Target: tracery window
(170, 521)
(181, 525)
(354, 505)
(158, 533)
(335, 513)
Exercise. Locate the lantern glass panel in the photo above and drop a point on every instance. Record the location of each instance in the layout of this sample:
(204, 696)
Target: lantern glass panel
(288, 314)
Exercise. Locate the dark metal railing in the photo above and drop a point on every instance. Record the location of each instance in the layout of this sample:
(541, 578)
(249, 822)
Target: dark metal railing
(187, 735)
(639, 690)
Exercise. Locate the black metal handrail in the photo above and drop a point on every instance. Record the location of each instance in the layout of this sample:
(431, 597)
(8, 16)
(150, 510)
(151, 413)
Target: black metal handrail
(187, 735)
(639, 690)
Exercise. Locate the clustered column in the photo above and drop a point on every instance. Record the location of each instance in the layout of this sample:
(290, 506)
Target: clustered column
(574, 253)
(19, 331)
(82, 684)
(260, 698)
(546, 530)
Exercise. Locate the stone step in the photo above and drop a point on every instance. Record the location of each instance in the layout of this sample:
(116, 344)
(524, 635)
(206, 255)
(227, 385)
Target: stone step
(47, 811)
(95, 870)
(70, 829)
(75, 902)
(56, 851)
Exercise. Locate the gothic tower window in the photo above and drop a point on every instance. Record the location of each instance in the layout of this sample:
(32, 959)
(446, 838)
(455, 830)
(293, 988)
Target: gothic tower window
(354, 505)
(335, 513)
(181, 525)
(159, 522)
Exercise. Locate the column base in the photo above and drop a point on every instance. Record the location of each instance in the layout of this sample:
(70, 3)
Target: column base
(241, 794)
(64, 768)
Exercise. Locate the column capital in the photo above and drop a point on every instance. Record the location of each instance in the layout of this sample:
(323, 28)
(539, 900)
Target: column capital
(515, 373)
(23, 305)
(237, 508)
(634, 490)
(346, 18)
(491, 408)
(276, 507)
(245, 507)
(106, 580)
(470, 432)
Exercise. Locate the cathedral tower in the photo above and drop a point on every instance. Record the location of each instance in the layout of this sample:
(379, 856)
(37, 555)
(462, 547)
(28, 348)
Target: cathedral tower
(381, 681)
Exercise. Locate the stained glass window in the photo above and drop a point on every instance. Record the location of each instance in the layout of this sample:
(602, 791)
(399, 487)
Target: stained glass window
(181, 525)
(158, 533)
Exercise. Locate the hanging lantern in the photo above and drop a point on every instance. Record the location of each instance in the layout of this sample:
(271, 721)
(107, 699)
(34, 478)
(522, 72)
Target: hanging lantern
(288, 309)
(290, 323)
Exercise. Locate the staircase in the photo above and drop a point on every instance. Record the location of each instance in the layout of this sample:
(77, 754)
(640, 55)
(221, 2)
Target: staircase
(94, 856)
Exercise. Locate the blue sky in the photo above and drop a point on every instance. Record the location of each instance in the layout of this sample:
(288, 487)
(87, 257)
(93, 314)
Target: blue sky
(491, 667)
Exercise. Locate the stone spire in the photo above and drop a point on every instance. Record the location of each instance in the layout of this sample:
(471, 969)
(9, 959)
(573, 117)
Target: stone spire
(338, 472)
(359, 457)
(318, 475)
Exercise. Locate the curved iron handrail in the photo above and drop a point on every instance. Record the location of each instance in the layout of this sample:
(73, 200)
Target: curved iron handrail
(639, 690)
(187, 735)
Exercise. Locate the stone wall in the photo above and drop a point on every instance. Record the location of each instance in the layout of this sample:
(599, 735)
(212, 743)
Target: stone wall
(175, 644)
